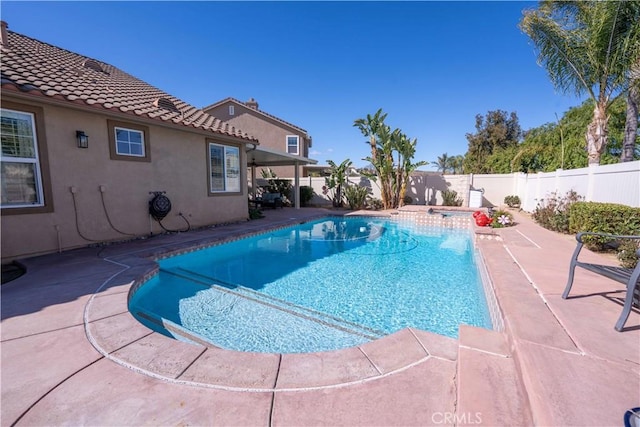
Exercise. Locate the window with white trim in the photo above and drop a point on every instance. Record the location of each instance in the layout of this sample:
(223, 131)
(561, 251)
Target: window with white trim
(293, 144)
(129, 142)
(20, 167)
(224, 168)
(232, 110)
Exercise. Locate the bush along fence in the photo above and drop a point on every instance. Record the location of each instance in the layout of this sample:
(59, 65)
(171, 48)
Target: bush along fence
(568, 214)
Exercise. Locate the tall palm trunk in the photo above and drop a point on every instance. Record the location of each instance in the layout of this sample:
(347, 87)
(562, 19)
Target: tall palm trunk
(374, 148)
(631, 124)
(597, 133)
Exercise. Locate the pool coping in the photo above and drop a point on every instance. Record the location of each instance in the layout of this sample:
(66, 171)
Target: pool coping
(115, 333)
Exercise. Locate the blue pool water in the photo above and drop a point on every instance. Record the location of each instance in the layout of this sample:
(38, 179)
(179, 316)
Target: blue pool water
(323, 285)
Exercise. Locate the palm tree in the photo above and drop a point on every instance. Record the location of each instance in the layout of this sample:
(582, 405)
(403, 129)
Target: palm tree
(337, 179)
(391, 158)
(383, 164)
(406, 149)
(631, 123)
(381, 158)
(370, 127)
(587, 47)
(443, 163)
(456, 164)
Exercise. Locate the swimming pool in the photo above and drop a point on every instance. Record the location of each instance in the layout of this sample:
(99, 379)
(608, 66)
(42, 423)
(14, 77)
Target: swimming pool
(322, 285)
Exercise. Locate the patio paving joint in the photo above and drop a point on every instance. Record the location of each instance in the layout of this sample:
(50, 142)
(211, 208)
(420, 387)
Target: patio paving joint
(98, 295)
(275, 380)
(195, 359)
(575, 353)
(529, 239)
(132, 342)
(504, 356)
(273, 403)
(97, 319)
(419, 342)
(26, 411)
(41, 333)
(370, 361)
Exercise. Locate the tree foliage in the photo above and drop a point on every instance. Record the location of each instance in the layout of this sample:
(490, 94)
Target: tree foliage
(449, 164)
(495, 132)
(561, 145)
(588, 47)
(443, 163)
(456, 164)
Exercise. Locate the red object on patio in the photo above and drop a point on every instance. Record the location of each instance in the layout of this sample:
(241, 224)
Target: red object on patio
(481, 219)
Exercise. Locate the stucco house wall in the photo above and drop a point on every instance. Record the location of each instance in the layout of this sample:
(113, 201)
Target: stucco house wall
(271, 132)
(178, 166)
(95, 194)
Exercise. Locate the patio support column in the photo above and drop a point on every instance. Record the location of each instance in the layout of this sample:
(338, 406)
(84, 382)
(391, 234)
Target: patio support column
(296, 185)
(254, 181)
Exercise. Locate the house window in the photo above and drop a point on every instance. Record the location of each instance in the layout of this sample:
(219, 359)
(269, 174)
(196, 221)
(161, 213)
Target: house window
(128, 141)
(293, 144)
(21, 175)
(232, 110)
(224, 168)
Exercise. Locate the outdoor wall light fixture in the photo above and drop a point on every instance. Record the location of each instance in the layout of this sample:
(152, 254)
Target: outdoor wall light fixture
(83, 139)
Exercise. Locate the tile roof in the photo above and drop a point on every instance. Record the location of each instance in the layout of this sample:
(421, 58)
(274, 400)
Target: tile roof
(29, 65)
(244, 104)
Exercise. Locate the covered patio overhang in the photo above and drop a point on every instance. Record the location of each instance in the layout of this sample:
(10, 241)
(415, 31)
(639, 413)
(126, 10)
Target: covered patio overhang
(266, 157)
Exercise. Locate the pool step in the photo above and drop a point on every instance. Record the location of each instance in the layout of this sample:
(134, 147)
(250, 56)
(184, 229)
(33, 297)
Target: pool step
(490, 388)
(174, 329)
(276, 303)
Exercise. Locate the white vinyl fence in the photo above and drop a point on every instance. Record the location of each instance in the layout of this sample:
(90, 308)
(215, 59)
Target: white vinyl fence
(617, 183)
(424, 188)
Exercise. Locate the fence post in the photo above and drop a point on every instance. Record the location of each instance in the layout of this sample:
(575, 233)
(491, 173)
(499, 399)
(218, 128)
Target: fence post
(470, 184)
(538, 184)
(525, 205)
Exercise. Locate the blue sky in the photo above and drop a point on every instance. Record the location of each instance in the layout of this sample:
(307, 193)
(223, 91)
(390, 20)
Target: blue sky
(432, 66)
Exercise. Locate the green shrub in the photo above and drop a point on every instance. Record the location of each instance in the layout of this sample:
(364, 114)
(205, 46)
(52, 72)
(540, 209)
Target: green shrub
(375, 204)
(282, 186)
(603, 218)
(356, 196)
(512, 201)
(552, 213)
(255, 213)
(407, 200)
(277, 185)
(306, 194)
(501, 219)
(450, 198)
(627, 253)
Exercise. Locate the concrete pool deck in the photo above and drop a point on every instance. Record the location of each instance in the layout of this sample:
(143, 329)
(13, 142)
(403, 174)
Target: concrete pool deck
(73, 355)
